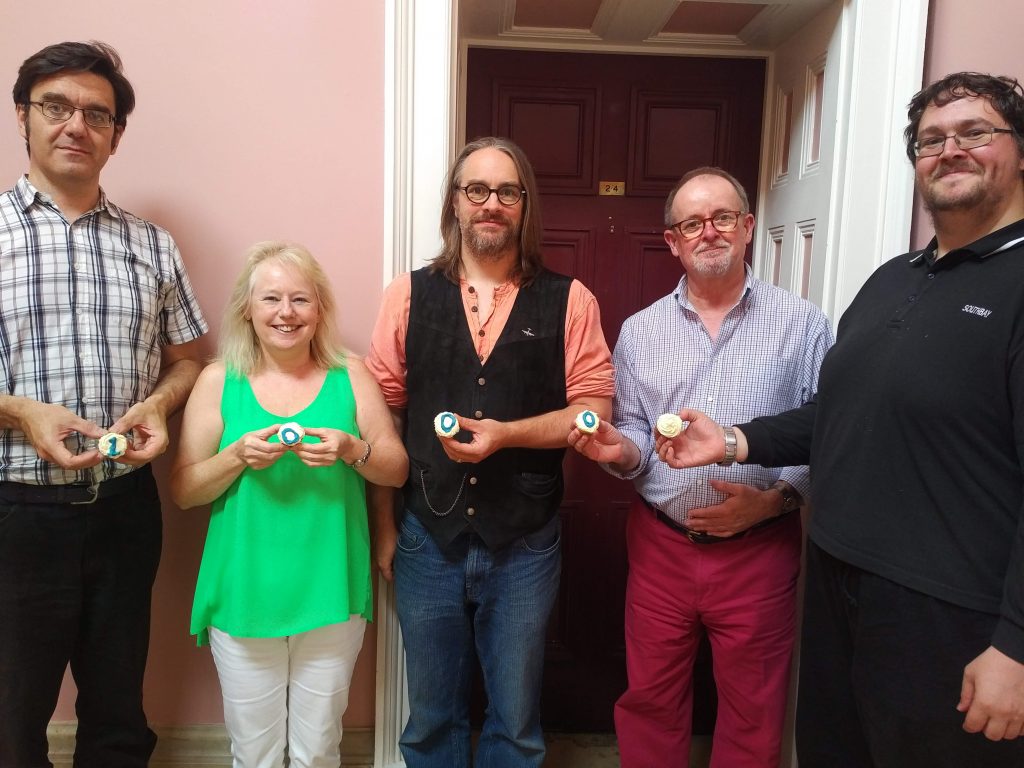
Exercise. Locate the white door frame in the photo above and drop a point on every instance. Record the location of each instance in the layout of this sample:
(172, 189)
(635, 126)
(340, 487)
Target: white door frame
(880, 68)
(872, 182)
(419, 87)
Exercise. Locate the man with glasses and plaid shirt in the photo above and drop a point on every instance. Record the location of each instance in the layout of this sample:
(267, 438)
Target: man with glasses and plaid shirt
(711, 550)
(912, 652)
(97, 335)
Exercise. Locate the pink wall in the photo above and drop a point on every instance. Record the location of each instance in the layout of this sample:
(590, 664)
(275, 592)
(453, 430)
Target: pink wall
(255, 120)
(982, 36)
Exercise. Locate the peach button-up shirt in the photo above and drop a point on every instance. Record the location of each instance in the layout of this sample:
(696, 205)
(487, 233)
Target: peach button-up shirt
(588, 365)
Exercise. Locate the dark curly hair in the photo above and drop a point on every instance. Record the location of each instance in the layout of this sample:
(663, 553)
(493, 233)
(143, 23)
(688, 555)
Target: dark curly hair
(1004, 94)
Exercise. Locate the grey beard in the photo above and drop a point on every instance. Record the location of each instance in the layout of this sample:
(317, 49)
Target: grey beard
(712, 267)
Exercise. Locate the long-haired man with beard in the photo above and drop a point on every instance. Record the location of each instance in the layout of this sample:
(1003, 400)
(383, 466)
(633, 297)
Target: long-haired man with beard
(515, 352)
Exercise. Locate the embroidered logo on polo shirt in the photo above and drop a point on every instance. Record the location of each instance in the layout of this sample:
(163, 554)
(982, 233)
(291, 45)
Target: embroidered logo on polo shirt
(979, 311)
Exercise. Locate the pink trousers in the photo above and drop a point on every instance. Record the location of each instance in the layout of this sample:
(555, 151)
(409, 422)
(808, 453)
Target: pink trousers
(743, 594)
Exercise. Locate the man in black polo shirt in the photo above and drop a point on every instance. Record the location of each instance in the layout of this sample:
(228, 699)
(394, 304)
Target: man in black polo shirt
(516, 352)
(913, 635)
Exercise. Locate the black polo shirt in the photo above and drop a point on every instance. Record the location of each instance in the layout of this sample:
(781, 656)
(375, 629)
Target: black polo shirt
(916, 437)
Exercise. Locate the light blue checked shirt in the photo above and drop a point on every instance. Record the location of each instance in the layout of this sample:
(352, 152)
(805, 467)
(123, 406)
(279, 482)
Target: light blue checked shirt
(765, 360)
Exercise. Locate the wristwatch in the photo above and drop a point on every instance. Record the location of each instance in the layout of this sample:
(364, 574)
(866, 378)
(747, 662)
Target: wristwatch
(730, 447)
(790, 497)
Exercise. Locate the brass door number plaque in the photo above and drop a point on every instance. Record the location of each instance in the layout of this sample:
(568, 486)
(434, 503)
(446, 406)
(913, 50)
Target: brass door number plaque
(612, 187)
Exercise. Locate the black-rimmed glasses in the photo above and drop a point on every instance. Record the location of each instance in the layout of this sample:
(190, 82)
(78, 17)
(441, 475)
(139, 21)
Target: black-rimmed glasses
(59, 112)
(971, 139)
(508, 194)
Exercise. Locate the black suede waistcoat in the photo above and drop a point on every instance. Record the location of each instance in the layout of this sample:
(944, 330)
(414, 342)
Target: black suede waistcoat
(514, 491)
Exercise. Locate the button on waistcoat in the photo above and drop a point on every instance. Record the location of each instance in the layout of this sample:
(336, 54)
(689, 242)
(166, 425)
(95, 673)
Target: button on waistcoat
(514, 491)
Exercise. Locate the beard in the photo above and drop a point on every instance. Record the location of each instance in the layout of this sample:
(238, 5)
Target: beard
(712, 266)
(489, 244)
(968, 193)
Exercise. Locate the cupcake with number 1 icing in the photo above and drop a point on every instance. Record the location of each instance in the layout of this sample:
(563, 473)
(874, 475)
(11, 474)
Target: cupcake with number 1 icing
(112, 445)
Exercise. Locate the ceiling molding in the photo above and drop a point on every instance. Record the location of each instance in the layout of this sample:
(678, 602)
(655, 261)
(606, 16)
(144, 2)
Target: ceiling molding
(777, 22)
(632, 20)
(636, 25)
(689, 40)
(549, 33)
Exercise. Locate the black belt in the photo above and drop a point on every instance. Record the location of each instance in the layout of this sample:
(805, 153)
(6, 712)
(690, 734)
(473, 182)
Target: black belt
(699, 537)
(73, 493)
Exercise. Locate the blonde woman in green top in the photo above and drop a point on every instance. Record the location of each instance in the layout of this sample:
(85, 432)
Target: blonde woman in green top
(284, 592)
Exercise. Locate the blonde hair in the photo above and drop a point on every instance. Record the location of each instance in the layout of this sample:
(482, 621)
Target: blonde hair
(239, 346)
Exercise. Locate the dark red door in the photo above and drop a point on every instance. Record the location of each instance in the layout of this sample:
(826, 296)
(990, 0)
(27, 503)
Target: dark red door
(587, 122)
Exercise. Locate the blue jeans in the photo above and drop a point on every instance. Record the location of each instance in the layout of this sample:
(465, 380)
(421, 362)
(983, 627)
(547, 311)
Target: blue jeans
(465, 599)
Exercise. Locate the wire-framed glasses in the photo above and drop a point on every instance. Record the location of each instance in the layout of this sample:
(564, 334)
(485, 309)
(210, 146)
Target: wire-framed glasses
(59, 112)
(969, 139)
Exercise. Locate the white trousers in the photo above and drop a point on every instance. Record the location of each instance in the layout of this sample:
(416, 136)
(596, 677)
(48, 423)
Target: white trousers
(287, 690)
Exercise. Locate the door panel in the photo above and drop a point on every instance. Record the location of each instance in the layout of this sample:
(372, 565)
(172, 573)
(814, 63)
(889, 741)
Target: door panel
(793, 231)
(793, 227)
(640, 122)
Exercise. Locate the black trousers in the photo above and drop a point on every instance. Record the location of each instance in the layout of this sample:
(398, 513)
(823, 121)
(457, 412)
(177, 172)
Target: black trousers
(880, 673)
(75, 585)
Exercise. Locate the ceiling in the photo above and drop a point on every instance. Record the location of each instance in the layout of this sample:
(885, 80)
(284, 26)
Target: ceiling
(644, 24)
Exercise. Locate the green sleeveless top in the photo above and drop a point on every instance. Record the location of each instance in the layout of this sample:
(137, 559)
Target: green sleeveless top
(288, 546)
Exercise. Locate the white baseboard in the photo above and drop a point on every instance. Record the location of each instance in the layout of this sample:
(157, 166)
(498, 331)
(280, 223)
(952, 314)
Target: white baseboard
(202, 746)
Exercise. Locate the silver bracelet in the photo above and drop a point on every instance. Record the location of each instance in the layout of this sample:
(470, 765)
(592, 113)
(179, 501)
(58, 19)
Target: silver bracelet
(362, 459)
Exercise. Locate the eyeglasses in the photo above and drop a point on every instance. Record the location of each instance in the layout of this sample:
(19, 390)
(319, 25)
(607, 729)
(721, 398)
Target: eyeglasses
(723, 221)
(972, 139)
(478, 194)
(60, 112)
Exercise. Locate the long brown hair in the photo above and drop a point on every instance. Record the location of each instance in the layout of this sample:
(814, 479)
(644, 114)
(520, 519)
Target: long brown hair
(531, 261)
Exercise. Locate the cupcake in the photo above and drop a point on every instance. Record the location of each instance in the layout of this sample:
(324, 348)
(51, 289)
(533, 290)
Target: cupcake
(669, 424)
(587, 421)
(112, 445)
(290, 433)
(446, 424)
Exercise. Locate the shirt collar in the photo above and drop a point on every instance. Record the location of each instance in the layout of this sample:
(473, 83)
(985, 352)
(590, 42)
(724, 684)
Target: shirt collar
(26, 194)
(748, 288)
(982, 248)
